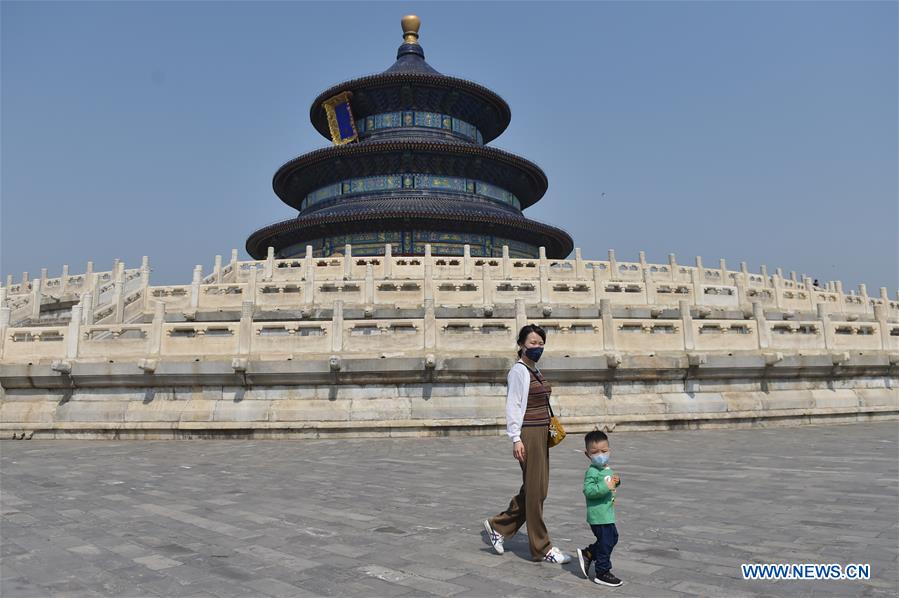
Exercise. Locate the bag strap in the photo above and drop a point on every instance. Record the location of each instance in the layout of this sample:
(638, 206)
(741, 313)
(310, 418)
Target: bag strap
(536, 372)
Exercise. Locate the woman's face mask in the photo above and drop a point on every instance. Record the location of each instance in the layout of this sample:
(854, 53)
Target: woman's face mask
(534, 353)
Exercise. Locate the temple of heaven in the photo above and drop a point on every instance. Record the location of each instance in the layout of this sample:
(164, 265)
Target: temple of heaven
(409, 167)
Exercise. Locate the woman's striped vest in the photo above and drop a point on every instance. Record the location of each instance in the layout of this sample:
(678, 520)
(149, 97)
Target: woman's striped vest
(537, 411)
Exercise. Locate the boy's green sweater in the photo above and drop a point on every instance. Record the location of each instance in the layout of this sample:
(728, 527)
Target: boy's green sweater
(600, 500)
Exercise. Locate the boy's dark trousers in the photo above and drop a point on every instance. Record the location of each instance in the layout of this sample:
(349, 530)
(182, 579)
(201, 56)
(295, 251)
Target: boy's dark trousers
(601, 550)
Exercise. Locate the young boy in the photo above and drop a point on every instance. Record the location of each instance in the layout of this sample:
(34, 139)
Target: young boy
(600, 484)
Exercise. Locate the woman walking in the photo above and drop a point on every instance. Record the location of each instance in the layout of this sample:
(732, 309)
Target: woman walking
(527, 424)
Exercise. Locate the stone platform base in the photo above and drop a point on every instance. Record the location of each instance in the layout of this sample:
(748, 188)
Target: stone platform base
(421, 429)
(410, 398)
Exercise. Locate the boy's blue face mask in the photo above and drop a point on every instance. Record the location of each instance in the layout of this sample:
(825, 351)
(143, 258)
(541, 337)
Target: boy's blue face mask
(600, 460)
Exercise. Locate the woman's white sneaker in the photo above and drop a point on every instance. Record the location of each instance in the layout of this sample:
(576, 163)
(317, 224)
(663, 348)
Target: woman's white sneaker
(495, 539)
(556, 556)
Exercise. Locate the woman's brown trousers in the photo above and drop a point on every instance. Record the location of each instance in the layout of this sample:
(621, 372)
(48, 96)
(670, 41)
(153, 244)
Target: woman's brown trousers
(527, 505)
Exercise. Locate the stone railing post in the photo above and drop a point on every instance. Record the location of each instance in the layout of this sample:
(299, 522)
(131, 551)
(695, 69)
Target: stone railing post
(388, 261)
(118, 293)
(597, 284)
(234, 255)
(4, 327)
(763, 271)
(36, 299)
(507, 263)
(863, 291)
(269, 268)
(87, 285)
(650, 286)
(579, 272)
(429, 273)
(430, 325)
(608, 324)
(643, 265)
(252, 285)
(24, 281)
(154, 349)
(64, 280)
(761, 324)
(722, 264)
(826, 328)
(245, 330)
(145, 282)
(9, 280)
(521, 316)
(700, 268)
(884, 295)
(308, 282)
(777, 281)
(44, 276)
(347, 261)
(87, 314)
(543, 268)
(687, 322)
(3, 292)
(880, 314)
(841, 299)
(696, 277)
(811, 291)
(742, 282)
(466, 262)
(486, 289)
(308, 264)
(73, 334)
(614, 274)
(672, 266)
(369, 289)
(217, 269)
(94, 289)
(337, 326)
(195, 287)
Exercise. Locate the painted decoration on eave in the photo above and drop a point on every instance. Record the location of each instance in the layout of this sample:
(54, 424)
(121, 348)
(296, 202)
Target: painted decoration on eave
(340, 118)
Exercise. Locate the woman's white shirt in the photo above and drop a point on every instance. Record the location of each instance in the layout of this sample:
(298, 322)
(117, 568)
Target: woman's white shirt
(519, 385)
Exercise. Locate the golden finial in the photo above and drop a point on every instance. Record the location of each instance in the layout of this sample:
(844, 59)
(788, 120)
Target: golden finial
(411, 23)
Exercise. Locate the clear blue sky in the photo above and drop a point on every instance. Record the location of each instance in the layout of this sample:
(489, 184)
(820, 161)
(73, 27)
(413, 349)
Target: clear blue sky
(756, 131)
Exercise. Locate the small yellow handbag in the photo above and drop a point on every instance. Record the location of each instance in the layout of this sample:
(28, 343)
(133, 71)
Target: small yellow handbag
(556, 431)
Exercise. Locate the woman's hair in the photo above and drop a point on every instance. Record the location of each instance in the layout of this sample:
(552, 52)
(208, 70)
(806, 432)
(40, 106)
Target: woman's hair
(525, 331)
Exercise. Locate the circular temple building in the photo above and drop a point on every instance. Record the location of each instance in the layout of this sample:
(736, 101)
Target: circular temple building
(410, 167)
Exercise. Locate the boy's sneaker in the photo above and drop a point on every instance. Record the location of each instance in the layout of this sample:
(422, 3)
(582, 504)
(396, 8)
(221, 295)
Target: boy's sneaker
(607, 579)
(584, 559)
(556, 556)
(495, 539)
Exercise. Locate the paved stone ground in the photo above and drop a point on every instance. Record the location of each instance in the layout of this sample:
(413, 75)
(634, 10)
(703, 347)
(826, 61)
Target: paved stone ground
(402, 517)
